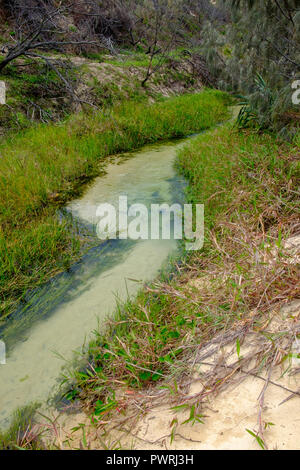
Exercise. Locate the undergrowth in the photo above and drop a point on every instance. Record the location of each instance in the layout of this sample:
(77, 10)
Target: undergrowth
(45, 166)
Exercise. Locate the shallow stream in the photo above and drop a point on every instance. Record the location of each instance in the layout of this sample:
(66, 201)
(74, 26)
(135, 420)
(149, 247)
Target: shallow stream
(57, 319)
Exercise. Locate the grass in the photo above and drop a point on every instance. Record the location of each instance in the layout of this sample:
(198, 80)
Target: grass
(33, 93)
(248, 183)
(23, 433)
(44, 166)
(128, 58)
(110, 94)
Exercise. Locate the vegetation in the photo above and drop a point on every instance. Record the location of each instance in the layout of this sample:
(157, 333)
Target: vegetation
(249, 47)
(49, 31)
(38, 175)
(247, 182)
(246, 175)
(23, 432)
(255, 53)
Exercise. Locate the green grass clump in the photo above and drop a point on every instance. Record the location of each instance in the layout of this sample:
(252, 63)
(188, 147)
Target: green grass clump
(33, 95)
(220, 165)
(247, 182)
(44, 166)
(49, 158)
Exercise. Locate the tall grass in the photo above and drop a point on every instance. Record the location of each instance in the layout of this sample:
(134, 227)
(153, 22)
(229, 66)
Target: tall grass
(46, 159)
(44, 166)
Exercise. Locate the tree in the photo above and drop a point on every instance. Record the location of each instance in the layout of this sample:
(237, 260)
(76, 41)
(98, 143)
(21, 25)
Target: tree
(256, 54)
